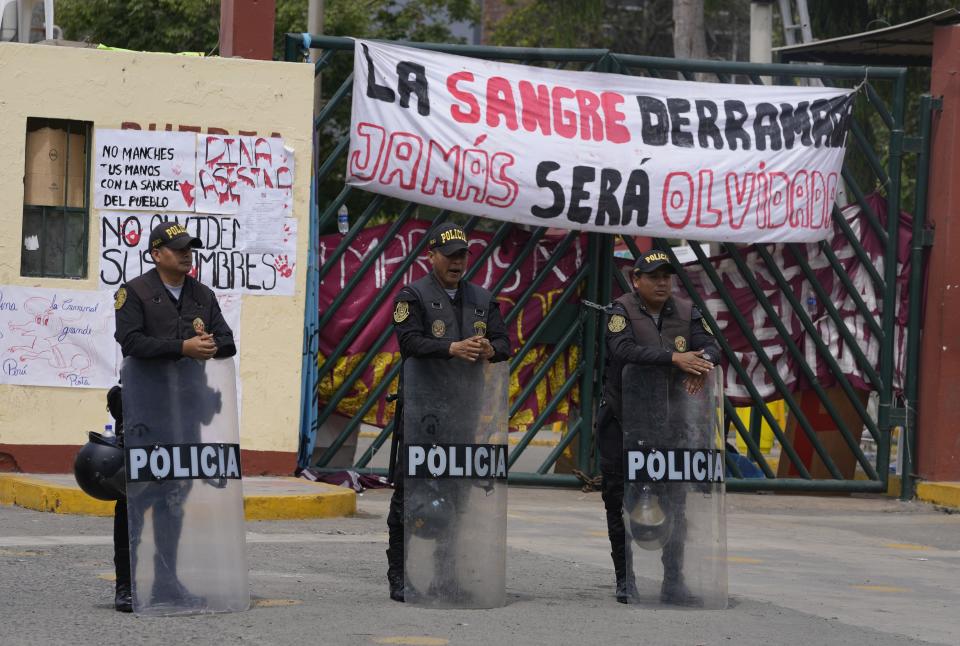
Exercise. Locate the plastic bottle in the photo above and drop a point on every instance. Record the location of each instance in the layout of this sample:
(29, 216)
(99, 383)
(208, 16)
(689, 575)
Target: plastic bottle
(108, 431)
(343, 220)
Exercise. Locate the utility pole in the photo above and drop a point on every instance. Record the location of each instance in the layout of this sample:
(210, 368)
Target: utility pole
(315, 27)
(761, 33)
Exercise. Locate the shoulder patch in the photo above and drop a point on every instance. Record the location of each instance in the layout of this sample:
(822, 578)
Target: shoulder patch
(120, 298)
(617, 323)
(401, 312)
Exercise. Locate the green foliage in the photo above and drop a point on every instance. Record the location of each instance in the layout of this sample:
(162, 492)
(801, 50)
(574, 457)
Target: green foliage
(416, 20)
(830, 19)
(194, 25)
(625, 26)
(143, 25)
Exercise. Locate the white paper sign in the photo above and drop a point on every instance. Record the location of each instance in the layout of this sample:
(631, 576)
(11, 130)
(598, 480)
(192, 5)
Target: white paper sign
(241, 254)
(141, 170)
(56, 337)
(238, 175)
(601, 152)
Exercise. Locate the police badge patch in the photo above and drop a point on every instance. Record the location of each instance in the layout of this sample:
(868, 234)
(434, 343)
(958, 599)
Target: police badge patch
(680, 343)
(401, 312)
(617, 323)
(438, 328)
(198, 325)
(480, 328)
(120, 298)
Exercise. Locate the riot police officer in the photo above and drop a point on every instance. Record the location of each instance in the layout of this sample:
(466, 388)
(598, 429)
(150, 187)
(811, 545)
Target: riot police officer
(649, 326)
(165, 314)
(439, 316)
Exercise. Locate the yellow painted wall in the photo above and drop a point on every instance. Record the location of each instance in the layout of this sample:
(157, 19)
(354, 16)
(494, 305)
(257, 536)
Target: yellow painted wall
(109, 88)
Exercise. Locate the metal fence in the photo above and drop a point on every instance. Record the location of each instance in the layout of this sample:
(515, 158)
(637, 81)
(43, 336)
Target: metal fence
(877, 146)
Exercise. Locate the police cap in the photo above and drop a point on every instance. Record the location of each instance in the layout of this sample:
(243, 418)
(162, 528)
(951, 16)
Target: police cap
(173, 235)
(448, 239)
(651, 261)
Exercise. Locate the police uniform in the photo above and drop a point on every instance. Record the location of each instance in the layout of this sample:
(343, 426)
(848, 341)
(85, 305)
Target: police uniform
(152, 324)
(427, 320)
(634, 335)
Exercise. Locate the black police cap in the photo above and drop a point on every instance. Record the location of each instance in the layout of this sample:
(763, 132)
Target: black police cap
(651, 261)
(173, 235)
(448, 239)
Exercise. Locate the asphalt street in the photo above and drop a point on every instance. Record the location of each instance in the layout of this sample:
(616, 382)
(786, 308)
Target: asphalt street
(802, 570)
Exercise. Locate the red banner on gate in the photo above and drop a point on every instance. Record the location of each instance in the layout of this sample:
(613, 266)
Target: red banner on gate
(493, 268)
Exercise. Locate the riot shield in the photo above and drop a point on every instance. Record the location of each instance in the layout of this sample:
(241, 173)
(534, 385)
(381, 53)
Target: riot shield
(673, 502)
(455, 482)
(184, 493)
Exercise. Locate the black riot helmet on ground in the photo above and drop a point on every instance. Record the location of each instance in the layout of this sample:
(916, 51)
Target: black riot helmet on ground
(649, 526)
(99, 470)
(431, 512)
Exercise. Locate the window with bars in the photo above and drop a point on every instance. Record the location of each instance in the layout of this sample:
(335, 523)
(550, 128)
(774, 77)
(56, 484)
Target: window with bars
(55, 199)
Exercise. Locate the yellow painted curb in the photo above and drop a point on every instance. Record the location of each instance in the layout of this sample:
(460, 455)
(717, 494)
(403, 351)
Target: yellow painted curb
(332, 503)
(945, 494)
(40, 495)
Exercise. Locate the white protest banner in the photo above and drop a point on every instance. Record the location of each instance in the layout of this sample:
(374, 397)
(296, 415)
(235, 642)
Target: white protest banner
(240, 174)
(601, 152)
(242, 254)
(136, 169)
(56, 337)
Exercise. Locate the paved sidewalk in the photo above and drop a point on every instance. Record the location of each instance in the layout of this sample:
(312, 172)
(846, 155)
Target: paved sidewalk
(263, 498)
(810, 571)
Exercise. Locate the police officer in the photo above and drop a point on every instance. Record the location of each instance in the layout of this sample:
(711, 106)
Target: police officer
(648, 326)
(438, 317)
(164, 314)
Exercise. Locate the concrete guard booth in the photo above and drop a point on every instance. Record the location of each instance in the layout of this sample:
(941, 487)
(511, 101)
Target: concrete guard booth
(61, 256)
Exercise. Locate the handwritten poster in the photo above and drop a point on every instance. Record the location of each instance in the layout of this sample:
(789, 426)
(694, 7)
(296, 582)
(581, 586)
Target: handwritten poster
(241, 254)
(138, 171)
(56, 337)
(244, 175)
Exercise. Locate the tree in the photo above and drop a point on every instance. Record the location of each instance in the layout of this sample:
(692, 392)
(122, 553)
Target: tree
(647, 27)
(194, 25)
(689, 37)
(414, 20)
(144, 25)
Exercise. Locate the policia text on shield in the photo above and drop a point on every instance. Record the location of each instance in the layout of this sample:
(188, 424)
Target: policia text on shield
(452, 435)
(660, 369)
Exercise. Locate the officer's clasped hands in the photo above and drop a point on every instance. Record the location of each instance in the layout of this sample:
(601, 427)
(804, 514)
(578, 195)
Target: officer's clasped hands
(200, 347)
(476, 347)
(692, 362)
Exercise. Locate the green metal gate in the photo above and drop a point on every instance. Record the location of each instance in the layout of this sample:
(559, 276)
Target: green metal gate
(873, 160)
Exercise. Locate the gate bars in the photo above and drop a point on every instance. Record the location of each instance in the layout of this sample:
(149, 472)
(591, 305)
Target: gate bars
(881, 107)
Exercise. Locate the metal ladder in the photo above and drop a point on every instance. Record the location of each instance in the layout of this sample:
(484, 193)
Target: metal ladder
(792, 29)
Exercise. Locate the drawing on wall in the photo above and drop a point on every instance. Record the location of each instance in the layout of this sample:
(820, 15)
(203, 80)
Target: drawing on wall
(56, 337)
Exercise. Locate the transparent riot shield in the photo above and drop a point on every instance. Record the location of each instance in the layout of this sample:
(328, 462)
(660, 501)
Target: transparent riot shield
(455, 482)
(184, 493)
(673, 502)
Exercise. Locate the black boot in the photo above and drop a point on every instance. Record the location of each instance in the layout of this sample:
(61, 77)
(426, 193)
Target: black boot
(395, 545)
(626, 584)
(395, 573)
(122, 600)
(167, 588)
(396, 586)
(674, 591)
